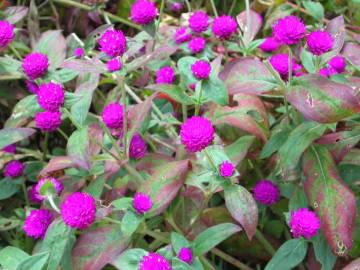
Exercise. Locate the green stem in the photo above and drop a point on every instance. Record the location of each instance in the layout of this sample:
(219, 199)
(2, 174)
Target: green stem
(138, 179)
(111, 220)
(290, 66)
(156, 36)
(52, 203)
(66, 137)
(13, 49)
(230, 259)
(214, 8)
(266, 244)
(317, 64)
(46, 141)
(184, 111)
(10, 77)
(211, 161)
(198, 103)
(188, 5)
(233, 4)
(72, 120)
(157, 236)
(25, 192)
(113, 141)
(123, 101)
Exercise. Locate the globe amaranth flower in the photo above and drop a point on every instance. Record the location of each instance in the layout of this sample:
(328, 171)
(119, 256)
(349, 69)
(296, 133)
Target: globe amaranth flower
(199, 22)
(37, 222)
(280, 62)
(50, 96)
(327, 71)
(78, 210)
(6, 33)
(113, 115)
(270, 44)
(304, 222)
(137, 147)
(338, 63)
(266, 192)
(48, 121)
(185, 254)
(154, 261)
(113, 43)
(176, 6)
(182, 35)
(143, 12)
(165, 75)
(319, 42)
(197, 45)
(224, 27)
(79, 52)
(197, 133)
(142, 203)
(57, 186)
(201, 69)
(35, 65)
(13, 169)
(114, 65)
(33, 195)
(227, 169)
(31, 86)
(289, 30)
(11, 149)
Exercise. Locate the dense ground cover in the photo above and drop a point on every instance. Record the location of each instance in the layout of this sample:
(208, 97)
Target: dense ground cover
(140, 135)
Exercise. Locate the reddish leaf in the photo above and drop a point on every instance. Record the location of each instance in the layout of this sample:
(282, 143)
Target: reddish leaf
(351, 52)
(151, 161)
(95, 132)
(336, 27)
(56, 164)
(322, 100)
(255, 24)
(16, 13)
(333, 201)
(84, 65)
(12, 135)
(138, 113)
(354, 265)
(96, 248)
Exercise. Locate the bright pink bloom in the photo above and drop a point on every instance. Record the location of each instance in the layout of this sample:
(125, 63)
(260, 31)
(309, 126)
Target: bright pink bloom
(154, 261)
(50, 96)
(185, 254)
(37, 223)
(143, 12)
(58, 187)
(182, 35)
(338, 63)
(165, 75)
(197, 45)
(319, 42)
(79, 52)
(14, 169)
(270, 44)
(142, 203)
(114, 65)
(304, 222)
(201, 69)
(6, 33)
(280, 63)
(289, 30)
(138, 147)
(33, 195)
(11, 149)
(113, 43)
(227, 169)
(48, 121)
(35, 65)
(266, 192)
(199, 22)
(31, 86)
(224, 27)
(113, 115)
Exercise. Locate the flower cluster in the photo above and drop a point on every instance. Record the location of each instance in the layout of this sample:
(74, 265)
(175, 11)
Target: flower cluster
(56, 185)
(154, 261)
(289, 30)
(304, 222)
(201, 69)
(280, 62)
(142, 203)
(143, 12)
(266, 192)
(165, 75)
(6, 33)
(227, 169)
(35, 65)
(14, 169)
(37, 223)
(138, 147)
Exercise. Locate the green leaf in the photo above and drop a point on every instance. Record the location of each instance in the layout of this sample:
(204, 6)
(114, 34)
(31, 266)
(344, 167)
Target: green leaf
(12, 135)
(178, 264)
(7, 224)
(315, 9)
(7, 188)
(174, 91)
(323, 252)
(130, 222)
(213, 236)
(275, 142)
(214, 89)
(11, 257)
(63, 75)
(308, 61)
(289, 255)
(23, 111)
(95, 188)
(237, 150)
(242, 208)
(178, 241)
(298, 199)
(77, 147)
(130, 259)
(10, 66)
(34, 262)
(184, 65)
(123, 203)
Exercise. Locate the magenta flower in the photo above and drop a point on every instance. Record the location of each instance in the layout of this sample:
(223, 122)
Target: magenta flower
(32, 87)
(304, 222)
(58, 187)
(50, 96)
(324, 72)
(197, 45)
(266, 192)
(338, 63)
(270, 44)
(6, 33)
(165, 75)
(33, 195)
(319, 42)
(201, 69)
(224, 27)
(113, 115)
(182, 35)
(37, 223)
(13, 169)
(143, 12)
(138, 147)
(176, 6)
(113, 43)
(48, 121)
(280, 63)
(185, 254)
(227, 169)
(199, 22)
(154, 261)
(35, 65)
(289, 30)
(197, 133)
(78, 210)
(79, 52)
(142, 203)
(114, 65)
(11, 149)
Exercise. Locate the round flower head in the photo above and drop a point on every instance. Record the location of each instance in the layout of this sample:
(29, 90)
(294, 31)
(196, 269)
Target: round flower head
(165, 75)
(338, 63)
(35, 65)
(138, 147)
(50, 96)
(58, 187)
(197, 44)
(319, 42)
(289, 30)
(197, 133)
(113, 43)
(266, 192)
(182, 35)
(113, 115)
(79, 52)
(114, 65)
(48, 121)
(78, 210)
(11, 149)
(324, 72)
(199, 22)
(32, 87)
(304, 222)
(201, 69)
(270, 44)
(185, 254)
(33, 195)
(143, 12)
(37, 222)
(6, 33)
(154, 261)
(280, 63)
(13, 169)
(224, 27)
(176, 6)
(227, 169)
(142, 203)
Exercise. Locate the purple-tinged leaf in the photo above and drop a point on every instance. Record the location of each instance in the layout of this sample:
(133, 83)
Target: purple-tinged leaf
(237, 150)
(84, 65)
(12, 135)
(336, 27)
(78, 148)
(255, 24)
(174, 91)
(56, 164)
(16, 13)
(354, 265)
(242, 208)
(247, 75)
(151, 161)
(95, 132)
(23, 111)
(322, 100)
(332, 200)
(98, 247)
(351, 52)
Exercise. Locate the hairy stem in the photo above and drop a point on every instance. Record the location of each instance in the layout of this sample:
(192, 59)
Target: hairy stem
(266, 244)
